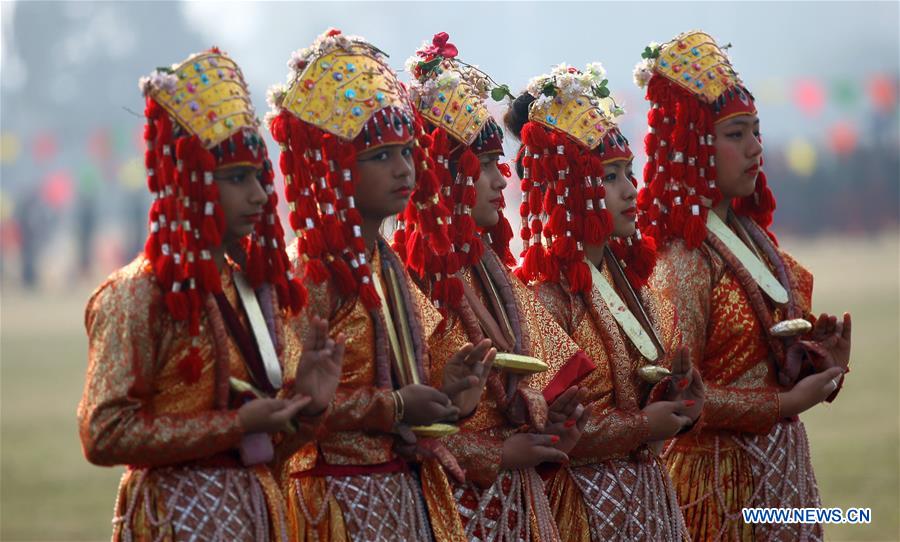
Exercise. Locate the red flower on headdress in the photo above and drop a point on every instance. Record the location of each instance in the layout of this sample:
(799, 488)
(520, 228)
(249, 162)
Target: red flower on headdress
(440, 47)
(333, 32)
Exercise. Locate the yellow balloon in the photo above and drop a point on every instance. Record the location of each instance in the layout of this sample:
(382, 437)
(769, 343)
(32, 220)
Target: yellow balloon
(771, 92)
(6, 207)
(801, 157)
(132, 174)
(10, 148)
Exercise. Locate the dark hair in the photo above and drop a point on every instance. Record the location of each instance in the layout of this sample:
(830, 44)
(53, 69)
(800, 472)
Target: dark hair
(517, 114)
(514, 119)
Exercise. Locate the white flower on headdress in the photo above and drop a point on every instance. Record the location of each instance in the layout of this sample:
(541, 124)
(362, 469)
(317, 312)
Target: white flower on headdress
(323, 44)
(586, 80)
(144, 85)
(569, 81)
(536, 85)
(410, 64)
(425, 45)
(424, 93)
(596, 71)
(298, 59)
(566, 81)
(326, 42)
(478, 79)
(643, 71)
(269, 117)
(275, 95)
(157, 80)
(429, 86)
(560, 69)
(448, 78)
(542, 101)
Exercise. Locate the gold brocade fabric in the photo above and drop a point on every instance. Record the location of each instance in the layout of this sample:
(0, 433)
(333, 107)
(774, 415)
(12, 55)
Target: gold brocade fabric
(138, 410)
(612, 470)
(491, 495)
(728, 346)
(546, 342)
(616, 428)
(358, 432)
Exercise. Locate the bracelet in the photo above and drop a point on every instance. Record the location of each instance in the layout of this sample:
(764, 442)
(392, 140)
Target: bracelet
(399, 409)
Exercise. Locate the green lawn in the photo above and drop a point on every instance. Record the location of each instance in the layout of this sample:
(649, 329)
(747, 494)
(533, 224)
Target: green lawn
(855, 441)
(49, 492)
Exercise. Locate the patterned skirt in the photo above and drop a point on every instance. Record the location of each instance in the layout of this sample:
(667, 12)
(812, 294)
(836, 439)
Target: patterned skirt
(730, 472)
(513, 509)
(616, 500)
(199, 505)
(367, 507)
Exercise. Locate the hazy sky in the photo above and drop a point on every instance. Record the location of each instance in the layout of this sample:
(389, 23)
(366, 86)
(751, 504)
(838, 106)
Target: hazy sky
(71, 66)
(773, 43)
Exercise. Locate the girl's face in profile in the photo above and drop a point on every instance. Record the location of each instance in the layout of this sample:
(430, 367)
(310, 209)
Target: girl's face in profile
(621, 196)
(242, 199)
(738, 155)
(385, 179)
(489, 189)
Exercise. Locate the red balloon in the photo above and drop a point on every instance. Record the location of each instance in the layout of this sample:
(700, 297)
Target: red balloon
(44, 147)
(883, 92)
(100, 144)
(57, 189)
(842, 138)
(10, 236)
(809, 96)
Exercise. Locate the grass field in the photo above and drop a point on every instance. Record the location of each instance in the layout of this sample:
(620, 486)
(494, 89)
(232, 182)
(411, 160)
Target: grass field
(49, 492)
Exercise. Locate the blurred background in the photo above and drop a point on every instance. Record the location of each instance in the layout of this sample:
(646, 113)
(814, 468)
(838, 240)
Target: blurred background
(73, 197)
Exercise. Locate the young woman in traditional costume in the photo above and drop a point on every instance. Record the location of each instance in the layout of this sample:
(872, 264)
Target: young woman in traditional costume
(351, 159)
(187, 341)
(588, 265)
(743, 303)
(507, 437)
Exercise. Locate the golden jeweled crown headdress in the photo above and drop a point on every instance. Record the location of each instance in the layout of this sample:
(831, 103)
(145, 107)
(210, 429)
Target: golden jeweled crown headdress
(339, 83)
(694, 61)
(450, 94)
(206, 94)
(574, 102)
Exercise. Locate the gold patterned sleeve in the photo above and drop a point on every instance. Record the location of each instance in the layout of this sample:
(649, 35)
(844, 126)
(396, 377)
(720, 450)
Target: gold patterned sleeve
(478, 446)
(475, 447)
(803, 280)
(547, 340)
(358, 405)
(478, 453)
(363, 409)
(610, 431)
(557, 304)
(443, 339)
(116, 422)
(306, 427)
(688, 277)
(738, 409)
